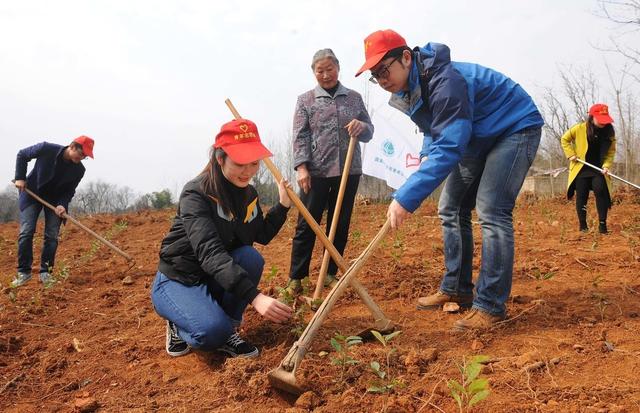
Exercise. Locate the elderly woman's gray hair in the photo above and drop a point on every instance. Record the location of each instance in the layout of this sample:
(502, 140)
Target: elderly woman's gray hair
(323, 54)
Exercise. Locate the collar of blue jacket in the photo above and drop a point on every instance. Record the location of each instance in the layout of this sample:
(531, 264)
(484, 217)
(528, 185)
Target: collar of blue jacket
(431, 56)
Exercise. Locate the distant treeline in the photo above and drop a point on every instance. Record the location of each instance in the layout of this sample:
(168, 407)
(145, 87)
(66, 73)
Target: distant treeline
(98, 197)
(95, 197)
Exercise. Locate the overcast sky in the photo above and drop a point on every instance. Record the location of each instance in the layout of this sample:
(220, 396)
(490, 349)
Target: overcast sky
(147, 79)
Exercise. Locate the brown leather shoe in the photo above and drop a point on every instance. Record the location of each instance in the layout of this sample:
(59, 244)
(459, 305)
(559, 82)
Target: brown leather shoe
(476, 320)
(437, 300)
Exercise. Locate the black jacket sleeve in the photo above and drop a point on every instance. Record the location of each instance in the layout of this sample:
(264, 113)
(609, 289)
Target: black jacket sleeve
(195, 212)
(271, 223)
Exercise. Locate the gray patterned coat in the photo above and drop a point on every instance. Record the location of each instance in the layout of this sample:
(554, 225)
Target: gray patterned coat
(319, 136)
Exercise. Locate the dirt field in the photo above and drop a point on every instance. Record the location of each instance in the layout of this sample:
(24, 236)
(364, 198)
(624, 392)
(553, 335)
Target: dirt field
(571, 343)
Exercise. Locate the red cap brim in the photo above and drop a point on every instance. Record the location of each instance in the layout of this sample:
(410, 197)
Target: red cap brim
(372, 61)
(247, 152)
(603, 119)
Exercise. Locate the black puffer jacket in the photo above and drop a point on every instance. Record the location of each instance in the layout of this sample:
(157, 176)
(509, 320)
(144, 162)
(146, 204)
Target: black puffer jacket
(201, 236)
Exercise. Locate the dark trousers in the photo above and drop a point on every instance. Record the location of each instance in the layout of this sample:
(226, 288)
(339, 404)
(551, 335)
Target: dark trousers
(323, 194)
(28, 221)
(598, 185)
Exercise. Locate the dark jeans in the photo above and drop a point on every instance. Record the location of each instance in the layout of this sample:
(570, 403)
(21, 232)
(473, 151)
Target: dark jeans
(491, 185)
(598, 184)
(205, 314)
(323, 194)
(28, 221)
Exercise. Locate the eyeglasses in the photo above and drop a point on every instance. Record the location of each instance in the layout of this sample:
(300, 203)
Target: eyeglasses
(81, 152)
(383, 72)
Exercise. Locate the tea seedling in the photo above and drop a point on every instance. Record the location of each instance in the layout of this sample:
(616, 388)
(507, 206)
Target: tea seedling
(384, 382)
(473, 389)
(355, 236)
(298, 319)
(384, 340)
(398, 249)
(341, 345)
(385, 386)
(273, 271)
(539, 275)
(95, 245)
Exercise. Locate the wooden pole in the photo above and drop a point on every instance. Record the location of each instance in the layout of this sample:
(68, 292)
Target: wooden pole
(378, 315)
(336, 213)
(81, 225)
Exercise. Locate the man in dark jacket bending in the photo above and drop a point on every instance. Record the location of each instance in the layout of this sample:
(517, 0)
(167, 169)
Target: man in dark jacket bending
(55, 176)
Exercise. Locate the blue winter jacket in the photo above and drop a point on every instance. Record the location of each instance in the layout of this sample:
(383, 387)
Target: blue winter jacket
(462, 109)
(47, 155)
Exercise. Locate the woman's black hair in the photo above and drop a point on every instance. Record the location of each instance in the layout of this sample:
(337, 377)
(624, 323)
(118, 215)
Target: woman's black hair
(76, 146)
(213, 181)
(608, 130)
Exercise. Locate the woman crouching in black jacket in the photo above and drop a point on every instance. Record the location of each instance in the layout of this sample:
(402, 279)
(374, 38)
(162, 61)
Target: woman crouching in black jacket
(209, 271)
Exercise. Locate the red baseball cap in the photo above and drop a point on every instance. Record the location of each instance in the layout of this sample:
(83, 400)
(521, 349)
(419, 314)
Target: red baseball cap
(377, 44)
(87, 145)
(241, 141)
(600, 113)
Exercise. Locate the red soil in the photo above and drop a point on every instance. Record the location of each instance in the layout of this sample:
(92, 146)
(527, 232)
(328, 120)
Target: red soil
(575, 301)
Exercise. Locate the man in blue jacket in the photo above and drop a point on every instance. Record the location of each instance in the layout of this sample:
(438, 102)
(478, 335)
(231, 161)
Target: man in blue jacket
(481, 130)
(55, 176)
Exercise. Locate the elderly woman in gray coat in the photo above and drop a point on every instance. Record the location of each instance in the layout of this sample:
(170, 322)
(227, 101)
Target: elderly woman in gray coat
(324, 120)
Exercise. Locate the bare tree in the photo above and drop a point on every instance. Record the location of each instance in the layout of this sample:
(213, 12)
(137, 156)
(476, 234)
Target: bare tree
(97, 197)
(627, 131)
(142, 202)
(626, 15)
(561, 110)
(557, 121)
(94, 197)
(122, 199)
(9, 204)
(283, 157)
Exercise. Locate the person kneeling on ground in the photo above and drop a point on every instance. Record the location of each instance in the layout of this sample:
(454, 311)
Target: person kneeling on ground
(209, 271)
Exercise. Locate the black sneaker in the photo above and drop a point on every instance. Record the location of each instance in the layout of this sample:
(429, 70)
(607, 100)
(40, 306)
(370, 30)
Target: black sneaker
(602, 228)
(237, 347)
(175, 346)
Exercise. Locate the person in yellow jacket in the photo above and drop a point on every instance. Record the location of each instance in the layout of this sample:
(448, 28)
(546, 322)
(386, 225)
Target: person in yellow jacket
(592, 141)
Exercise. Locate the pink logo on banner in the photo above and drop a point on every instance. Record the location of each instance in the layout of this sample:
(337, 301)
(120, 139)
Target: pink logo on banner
(412, 161)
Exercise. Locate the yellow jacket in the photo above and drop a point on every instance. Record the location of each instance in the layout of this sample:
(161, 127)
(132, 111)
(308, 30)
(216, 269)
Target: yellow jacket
(574, 142)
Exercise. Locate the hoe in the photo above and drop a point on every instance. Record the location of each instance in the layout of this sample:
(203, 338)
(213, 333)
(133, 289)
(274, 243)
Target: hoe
(610, 174)
(382, 323)
(284, 376)
(129, 259)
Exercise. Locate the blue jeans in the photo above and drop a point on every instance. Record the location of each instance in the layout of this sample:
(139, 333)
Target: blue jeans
(491, 184)
(205, 314)
(28, 221)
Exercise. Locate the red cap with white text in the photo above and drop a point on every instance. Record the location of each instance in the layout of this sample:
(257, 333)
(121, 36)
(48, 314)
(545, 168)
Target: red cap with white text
(241, 141)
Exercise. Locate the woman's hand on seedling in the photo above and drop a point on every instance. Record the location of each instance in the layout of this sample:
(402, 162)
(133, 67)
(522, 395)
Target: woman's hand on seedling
(271, 309)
